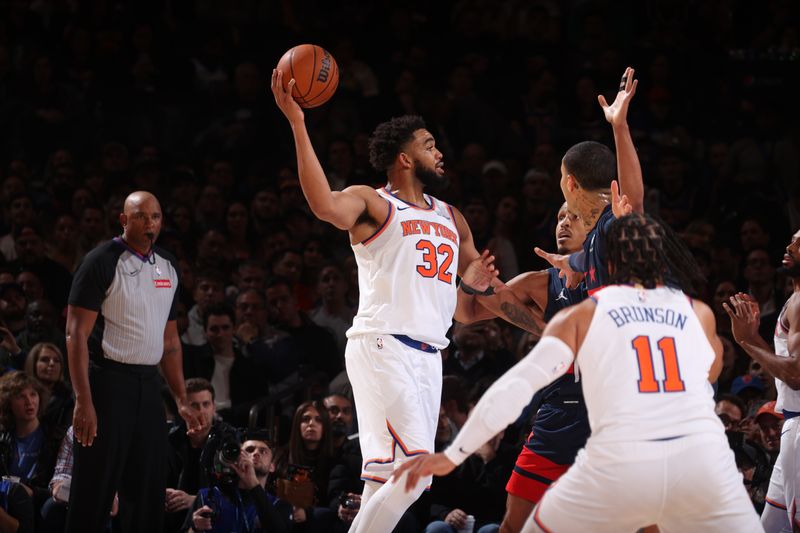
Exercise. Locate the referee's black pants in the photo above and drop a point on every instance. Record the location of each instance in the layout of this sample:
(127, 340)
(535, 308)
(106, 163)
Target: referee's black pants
(128, 455)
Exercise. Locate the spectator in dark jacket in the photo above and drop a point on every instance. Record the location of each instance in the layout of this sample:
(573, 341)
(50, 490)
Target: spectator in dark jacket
(45, 362)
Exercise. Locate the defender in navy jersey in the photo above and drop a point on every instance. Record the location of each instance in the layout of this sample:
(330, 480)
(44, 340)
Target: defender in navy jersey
(560, 427)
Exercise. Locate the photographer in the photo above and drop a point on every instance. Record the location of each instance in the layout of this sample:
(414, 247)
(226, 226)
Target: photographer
(238, 500)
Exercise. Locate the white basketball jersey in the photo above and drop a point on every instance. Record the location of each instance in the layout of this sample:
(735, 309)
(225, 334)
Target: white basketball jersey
(407, 273)
(644, 365)
(788, 399)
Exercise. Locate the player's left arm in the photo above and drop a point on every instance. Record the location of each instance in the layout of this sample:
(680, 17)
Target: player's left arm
(513, 309)
(629, 170)
(709, 323)
(172, 369)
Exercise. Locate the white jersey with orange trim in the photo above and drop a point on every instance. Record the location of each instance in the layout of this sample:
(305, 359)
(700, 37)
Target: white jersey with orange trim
(788, 399)
(407, 273)
(644, 365)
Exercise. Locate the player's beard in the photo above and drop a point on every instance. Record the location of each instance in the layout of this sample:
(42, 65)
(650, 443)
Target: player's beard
(792, 271)
(430, 179)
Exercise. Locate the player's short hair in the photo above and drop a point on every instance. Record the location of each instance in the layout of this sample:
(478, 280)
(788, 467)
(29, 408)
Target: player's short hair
(592, 164)
(389, 138)
(194, 385)
(636, 251)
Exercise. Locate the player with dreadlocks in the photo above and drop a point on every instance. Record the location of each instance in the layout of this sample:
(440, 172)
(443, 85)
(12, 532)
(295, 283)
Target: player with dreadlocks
(657, 454)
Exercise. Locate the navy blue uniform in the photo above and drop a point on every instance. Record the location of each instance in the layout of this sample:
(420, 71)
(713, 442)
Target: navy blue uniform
(592, 259)
(561, 426)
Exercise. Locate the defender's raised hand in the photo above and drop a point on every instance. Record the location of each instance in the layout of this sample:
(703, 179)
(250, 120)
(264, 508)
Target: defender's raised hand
(617, 113)
(481, 273)
(620, 205)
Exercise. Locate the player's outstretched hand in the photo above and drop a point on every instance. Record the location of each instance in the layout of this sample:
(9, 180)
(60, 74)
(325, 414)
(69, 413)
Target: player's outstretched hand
(745, 316)
(620, 205)
(421, 466)
(561, 262)
(481, 273)
(284, 99)
(617, 113)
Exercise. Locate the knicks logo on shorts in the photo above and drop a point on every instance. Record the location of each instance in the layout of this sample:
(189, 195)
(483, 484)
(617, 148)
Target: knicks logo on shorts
(162, 283)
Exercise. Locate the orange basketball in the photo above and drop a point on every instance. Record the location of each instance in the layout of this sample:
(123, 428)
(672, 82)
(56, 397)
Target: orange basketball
(315, 72)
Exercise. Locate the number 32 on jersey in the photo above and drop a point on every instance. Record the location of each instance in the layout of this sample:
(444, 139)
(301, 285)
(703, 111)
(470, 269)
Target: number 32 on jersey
(436, 261)
(672, 381)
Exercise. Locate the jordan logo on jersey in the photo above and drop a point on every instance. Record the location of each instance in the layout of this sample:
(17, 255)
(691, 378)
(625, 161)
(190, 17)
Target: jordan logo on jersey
(561, 295)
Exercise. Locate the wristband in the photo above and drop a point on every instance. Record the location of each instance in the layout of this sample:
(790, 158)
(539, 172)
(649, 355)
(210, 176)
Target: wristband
(474, 292)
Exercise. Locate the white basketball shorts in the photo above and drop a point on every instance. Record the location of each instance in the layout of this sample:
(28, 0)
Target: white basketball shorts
(681, 485)
(397, 392)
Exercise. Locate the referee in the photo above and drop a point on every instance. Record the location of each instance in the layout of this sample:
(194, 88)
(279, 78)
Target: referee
(120, 328)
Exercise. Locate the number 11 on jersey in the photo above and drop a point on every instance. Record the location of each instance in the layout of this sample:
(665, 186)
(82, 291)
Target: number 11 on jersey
(672, 381)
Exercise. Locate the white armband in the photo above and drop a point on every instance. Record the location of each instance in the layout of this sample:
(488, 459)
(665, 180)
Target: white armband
(508, 396)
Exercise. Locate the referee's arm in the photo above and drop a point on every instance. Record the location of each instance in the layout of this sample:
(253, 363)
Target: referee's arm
(172, 368)
(80, 322)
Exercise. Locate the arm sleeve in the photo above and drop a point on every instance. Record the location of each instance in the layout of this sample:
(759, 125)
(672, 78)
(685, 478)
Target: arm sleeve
(578, 261)
(93, 278)
(508, 396)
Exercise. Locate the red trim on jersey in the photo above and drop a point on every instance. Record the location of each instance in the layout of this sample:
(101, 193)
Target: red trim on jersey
(409, 204)
(382, 227)
(600, 288)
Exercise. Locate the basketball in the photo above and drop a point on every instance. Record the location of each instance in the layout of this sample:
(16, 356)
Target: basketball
(315, 72)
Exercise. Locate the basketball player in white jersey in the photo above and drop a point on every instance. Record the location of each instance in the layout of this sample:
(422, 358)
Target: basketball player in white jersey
(780, 513)
(409, 247)
(646, 353)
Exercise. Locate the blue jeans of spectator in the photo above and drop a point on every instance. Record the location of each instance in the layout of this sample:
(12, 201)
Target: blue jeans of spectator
(440, 526)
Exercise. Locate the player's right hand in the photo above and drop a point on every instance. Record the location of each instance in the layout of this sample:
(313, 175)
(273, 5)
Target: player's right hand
(481, 273)
(421, 466)
(284, 98)
(84, 422)
(561, 262)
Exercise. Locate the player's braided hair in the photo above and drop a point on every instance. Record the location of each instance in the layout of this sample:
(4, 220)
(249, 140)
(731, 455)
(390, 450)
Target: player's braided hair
(389, 138)
(644, 249)
(636, 251)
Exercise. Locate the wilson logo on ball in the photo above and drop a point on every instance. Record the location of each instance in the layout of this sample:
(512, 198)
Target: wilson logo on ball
(325, 69)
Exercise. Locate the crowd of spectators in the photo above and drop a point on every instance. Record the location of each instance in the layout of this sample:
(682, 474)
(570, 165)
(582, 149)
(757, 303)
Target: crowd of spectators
(100, 98)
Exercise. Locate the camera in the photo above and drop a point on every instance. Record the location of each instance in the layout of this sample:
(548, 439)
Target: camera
(347, 502)
(220, 453)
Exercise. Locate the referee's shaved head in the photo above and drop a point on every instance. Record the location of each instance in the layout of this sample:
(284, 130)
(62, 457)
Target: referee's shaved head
(141, 220)
(137, 198)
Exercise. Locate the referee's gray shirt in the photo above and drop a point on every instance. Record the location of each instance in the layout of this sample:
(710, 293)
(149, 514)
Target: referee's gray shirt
(134, 296)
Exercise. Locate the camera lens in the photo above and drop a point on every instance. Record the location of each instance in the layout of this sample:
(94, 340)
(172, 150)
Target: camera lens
(229, 452)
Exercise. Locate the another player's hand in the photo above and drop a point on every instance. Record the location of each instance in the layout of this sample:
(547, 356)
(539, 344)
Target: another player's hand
(193, 419)
(481, 273)
(456, 518)
(620, 205)
(561, 262)
(745, 316)
(283, 97)
(617, 113)
(421, 466)
(84, 422)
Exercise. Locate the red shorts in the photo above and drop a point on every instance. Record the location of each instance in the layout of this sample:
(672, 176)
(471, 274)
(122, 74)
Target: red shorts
(533, 475)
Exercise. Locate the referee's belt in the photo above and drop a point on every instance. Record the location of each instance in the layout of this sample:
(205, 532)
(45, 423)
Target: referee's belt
(417, 345)
(790, 414)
